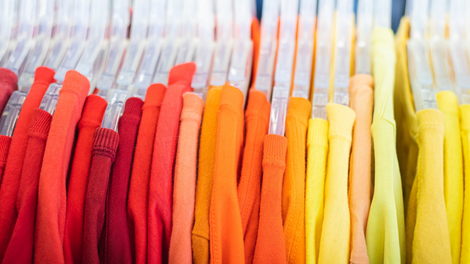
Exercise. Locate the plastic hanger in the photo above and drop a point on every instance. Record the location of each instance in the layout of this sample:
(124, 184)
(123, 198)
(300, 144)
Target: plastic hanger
(223, 46)
(267, 49)
(305, 48)
(284, 67)
(40, 47)
(343, 39)
(205, 47)
(171, 42)
(322, 58)
(365, 19)
(187, 41)
(421, 78)
(153, 48)
(91, 62)
(140, 20)
(239, 73)
(7, 16)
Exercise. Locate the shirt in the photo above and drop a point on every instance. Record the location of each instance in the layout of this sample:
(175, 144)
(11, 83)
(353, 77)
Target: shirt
(249, 187)
(270, 246)
(20, 247)
(4, 149)
(362, 102)
(161, 176)
(8, 83)
(200, 234)
(50, 218)
(14, 163)
(92, 116)
(293, 192)
(185, 179)
(117, 246)
(453, 169)
(335, 238)
(465, 134)
(226, 231)
(137, 205)
(385, 227)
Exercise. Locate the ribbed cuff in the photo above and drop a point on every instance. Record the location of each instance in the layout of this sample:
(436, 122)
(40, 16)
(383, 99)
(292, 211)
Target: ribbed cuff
(341, 119)
(77, 83)
(155, 94)
(300, 108)
(4, 148)
(44, 74)
(275, 150)
(430, 118)
(105, 142)
(93, 111)
(182, 74)
(193, 105)
(317, 132)
(8, 77)
(40, 124)
(133, 107)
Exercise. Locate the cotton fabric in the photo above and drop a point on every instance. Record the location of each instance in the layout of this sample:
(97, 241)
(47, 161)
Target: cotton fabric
(465, 134)
(5, 142)
(8, 83)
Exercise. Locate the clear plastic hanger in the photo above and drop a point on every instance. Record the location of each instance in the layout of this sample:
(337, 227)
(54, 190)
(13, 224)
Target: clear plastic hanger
(7, 16)
(223, 46)
(343, 39)
(284, 67)
(24, 40)
(323, 58)
(239, 73)
(267, 49)
(205, 47)
(153, 48)
(458, 51)
(305, 48)
(365, 19)
(187, 41)
(91, 61)
(421, 78)
(40, 47)
(117, 46)
(171, 43)
(140, 20)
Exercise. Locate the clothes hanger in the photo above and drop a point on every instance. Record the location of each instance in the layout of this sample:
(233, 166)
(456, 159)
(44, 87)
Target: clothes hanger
(91, 62)
(284, 67)
(365, 24)
(267, 49)
(343, 38)
(187, 41)
(7, 23)
(421, 78)
(205, 47)
(305, 48)
(239, 73)
(322, 58)
(223, 45)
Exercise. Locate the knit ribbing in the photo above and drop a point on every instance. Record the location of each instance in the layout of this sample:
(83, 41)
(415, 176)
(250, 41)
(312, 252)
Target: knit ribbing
(105, 142)
(133, 108)
(41, 122)
(4, 147)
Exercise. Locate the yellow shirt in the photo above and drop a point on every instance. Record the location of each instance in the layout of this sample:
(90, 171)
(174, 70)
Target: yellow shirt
(335, 238)
(453, 169)
(386, 227)
(465, 134)
(317, 146)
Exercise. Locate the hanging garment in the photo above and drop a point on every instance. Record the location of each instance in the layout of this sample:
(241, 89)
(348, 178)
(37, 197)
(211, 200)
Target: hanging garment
(200, 233)
(116, 240)
(317, 150)
(465, 134)
(335, 237)
(385, 227)
(185, 179)
(8, 84)
(226, 231)
(92, 116)
(453, 169)
(21, 246)
(16, 155)
(161, 176)
(249, 187)
(50, 218)
(137, 204)
(5, 142)
(293, 192)
(362, 102)
(270, 244)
